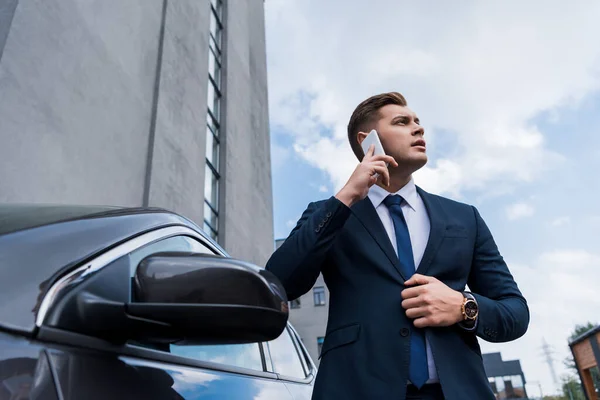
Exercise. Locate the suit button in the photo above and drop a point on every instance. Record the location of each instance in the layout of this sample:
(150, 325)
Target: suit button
(328, 215)
(404, 332)
(318, 230)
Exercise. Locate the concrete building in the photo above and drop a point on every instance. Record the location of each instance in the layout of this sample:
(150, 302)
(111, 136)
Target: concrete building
(586, 353)
(506, 377)
(140, 103)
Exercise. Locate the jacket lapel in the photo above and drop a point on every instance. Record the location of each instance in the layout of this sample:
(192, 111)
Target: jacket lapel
(367, 215)
(437, 220)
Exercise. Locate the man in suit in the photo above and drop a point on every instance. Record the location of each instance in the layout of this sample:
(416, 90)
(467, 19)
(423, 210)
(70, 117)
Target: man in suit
(397, 261)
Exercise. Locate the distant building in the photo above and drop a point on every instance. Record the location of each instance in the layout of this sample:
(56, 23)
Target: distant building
(586, 353)
(506, 377)
(309, 315)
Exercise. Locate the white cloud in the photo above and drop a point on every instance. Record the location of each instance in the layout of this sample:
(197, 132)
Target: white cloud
(519, 210)
(561, 291)
(482, 79)
(561, 221)
(323, 189)
(290, 224)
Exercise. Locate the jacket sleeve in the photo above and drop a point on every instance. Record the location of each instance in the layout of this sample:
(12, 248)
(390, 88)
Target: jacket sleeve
(503, 311)
(298, 261)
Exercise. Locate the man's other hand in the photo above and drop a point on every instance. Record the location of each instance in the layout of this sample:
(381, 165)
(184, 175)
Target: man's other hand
(430, 303)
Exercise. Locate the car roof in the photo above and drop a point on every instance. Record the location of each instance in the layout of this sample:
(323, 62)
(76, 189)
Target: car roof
(16, 217)
(40, 243)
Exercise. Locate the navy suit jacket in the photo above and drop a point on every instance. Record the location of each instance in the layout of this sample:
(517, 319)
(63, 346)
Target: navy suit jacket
(365, 354)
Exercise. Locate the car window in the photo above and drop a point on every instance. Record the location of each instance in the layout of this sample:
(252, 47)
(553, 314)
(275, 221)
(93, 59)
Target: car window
(286, 360)
(237, 355)
(242, 355)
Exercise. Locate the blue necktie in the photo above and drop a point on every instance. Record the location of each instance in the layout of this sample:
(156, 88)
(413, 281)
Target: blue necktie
(418, 372)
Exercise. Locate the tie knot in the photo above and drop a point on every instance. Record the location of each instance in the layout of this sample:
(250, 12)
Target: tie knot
(393, 200)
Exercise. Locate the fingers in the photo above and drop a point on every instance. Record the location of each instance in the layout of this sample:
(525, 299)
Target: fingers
(370, 156)
(373, 179)
(386, 175)
(413, 302)
(383, 173)
(424, 322)
(370, 152)
(378, 166)
(385, 158)
(418, 312)
(418, 279)
(412, 292)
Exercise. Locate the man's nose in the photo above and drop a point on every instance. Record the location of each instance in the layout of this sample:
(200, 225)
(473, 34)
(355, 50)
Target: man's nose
(419, 131)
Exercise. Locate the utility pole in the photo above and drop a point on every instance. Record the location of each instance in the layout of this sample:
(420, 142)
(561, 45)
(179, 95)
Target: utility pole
(547, 354)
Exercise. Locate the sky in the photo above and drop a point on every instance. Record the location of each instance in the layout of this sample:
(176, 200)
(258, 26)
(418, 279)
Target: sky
(509, 95)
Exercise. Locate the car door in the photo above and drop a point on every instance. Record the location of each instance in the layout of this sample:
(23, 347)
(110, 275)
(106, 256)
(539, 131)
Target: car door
(93, 369)
(24, 370)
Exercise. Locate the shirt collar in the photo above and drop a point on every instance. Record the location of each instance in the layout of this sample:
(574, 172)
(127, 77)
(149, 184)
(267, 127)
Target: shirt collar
(408, 192)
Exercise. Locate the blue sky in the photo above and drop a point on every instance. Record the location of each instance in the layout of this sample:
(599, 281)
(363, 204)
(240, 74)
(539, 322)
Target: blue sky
(509, 95)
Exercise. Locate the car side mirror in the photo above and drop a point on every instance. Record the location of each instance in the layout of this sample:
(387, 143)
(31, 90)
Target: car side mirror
(208, 299)
(182, 298)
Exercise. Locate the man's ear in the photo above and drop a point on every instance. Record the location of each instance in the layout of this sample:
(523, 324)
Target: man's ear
(361, 136)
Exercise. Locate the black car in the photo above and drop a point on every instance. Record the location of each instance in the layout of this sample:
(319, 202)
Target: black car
(111, 303)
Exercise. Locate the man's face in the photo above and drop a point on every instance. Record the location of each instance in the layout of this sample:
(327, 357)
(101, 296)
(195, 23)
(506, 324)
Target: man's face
(402, 136)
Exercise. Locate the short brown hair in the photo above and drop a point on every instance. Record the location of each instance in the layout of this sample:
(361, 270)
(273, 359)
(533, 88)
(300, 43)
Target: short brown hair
(366, 115)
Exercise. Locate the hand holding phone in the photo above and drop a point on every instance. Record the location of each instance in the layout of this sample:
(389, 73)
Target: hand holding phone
(374, 166)
(373, 139)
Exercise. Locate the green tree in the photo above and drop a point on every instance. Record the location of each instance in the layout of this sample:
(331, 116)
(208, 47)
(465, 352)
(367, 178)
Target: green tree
(571, 388)
(555, 398)
(581, 329)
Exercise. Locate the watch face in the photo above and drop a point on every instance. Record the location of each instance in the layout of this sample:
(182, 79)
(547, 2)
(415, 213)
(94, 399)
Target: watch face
(471, 309)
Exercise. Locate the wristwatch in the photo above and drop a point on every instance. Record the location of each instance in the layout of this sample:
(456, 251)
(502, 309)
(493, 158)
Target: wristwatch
(470, 309)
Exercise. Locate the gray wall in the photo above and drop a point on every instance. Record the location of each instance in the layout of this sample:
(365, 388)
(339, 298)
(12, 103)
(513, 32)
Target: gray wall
(248, 225)
(177, 165)
(76, 101)
(96, 109)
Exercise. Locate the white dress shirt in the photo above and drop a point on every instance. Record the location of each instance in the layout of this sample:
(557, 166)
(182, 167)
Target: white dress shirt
(417, 220)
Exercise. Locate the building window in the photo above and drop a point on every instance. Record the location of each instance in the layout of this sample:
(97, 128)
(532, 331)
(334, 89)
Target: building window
(493, 385)
(320, 341)
(508, 387)
(295, 303)
(319, 295)
(213, 121)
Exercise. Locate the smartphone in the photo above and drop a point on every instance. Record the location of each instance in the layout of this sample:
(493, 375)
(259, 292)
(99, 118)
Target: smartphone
(373, 138)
